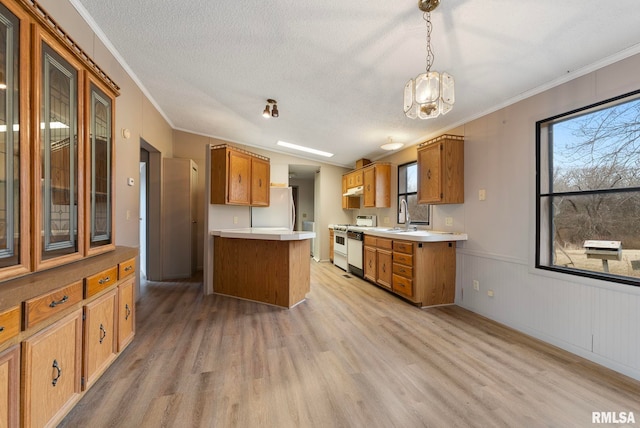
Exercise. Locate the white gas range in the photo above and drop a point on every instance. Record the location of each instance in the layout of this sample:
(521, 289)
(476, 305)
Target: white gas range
(348, 245)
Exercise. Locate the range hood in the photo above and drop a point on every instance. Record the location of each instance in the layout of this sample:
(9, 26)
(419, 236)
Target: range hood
(354, 191)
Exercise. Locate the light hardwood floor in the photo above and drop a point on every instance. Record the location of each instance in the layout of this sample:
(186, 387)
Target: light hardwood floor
(351, 355)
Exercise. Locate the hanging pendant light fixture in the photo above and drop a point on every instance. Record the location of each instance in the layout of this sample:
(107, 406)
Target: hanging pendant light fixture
(431, 93)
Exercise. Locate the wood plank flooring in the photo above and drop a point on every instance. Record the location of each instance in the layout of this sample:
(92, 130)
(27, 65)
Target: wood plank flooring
(351, 355)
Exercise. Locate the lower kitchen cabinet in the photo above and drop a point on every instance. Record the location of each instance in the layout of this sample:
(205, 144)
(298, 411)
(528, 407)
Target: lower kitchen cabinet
(10, 387)
(99, 345)
(378, 260)
(126, 313)
(331, 245)
(51, 366)
(403, 268)
(54, 342)
(421, 272)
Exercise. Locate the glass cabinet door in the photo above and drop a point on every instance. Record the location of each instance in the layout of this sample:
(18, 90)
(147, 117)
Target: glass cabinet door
(58, 155)
(99, 162)
(13, 245)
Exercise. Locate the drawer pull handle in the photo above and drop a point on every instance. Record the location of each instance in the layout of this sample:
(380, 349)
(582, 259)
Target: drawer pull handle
(128, 268)
(59, 302)
(429, 174)
(127, 312)
(57, 367)
(104, 280)
(103, 333)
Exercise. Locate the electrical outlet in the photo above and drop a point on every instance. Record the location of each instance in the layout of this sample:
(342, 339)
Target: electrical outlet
(235, 220)
(476, 285)
(386, 220)
(482, 194)
(490, 293)
(448, 221)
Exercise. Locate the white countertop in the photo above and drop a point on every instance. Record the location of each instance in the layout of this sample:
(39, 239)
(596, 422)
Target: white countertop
(265, 233)
(416, 235)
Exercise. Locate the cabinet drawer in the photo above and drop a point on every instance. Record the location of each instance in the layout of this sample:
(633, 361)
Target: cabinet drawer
(9, 323)
(41, 307)
(387, 244)
(100, 281)
(403, 247)
(126, 268)
(403, 259)
(369, 241)
(402, 270)
(403, 285)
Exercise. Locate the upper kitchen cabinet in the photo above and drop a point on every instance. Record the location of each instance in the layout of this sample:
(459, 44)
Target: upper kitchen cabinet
(260, 182)
(99, 161)
(441, 170)
(377, 186)
(239, 177)
(14, 142)
(58, 154)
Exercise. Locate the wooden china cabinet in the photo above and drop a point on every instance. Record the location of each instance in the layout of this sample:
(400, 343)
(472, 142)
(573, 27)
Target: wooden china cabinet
(68, 293)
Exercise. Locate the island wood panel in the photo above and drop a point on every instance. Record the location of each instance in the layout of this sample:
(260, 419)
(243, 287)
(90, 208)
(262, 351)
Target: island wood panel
(435, 262)
(274, 272)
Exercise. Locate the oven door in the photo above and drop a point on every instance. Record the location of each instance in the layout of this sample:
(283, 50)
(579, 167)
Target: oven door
(340, 249)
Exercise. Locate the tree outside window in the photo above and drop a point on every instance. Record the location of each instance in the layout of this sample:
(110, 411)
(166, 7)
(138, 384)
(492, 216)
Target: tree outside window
(588, 189)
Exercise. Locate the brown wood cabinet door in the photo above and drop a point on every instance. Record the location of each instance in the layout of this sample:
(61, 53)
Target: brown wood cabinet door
(51, 362)
(385, 268)
(260, 182)
(369, 176)
(126, 314)
(370, 265)
(99, 337)
(429, 174)
(10, 387)
(239, 178)
(331, 245)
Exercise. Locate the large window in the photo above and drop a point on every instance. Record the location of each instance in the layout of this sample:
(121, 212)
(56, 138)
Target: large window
(408, 190)
(588, 191)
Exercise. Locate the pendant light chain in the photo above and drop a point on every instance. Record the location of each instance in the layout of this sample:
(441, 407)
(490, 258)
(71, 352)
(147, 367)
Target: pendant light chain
(430, 57)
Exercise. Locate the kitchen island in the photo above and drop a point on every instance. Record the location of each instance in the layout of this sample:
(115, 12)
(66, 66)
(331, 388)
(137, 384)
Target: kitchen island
(268, 265)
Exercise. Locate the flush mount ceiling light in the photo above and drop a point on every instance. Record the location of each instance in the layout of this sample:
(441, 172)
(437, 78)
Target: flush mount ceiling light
(271, 109)
(305, 149)
(431, 93)
(390, 145)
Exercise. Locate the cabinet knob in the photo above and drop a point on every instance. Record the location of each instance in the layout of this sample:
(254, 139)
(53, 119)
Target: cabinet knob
(58, 374)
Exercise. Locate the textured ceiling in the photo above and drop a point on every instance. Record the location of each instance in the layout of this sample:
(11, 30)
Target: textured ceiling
(337, 68)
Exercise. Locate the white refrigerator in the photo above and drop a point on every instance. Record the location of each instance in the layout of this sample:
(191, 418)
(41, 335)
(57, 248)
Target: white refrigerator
(280, 213)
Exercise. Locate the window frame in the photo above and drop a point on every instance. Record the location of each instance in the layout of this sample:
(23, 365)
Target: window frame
(544, 239)
(405, 195)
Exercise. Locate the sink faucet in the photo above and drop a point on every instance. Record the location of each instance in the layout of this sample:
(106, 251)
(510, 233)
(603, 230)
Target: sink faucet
(407, 217)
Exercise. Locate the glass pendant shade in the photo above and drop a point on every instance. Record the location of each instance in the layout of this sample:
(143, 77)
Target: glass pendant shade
(429, 95)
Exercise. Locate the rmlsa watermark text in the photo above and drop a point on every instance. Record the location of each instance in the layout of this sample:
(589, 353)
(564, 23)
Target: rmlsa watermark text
(613, 418)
